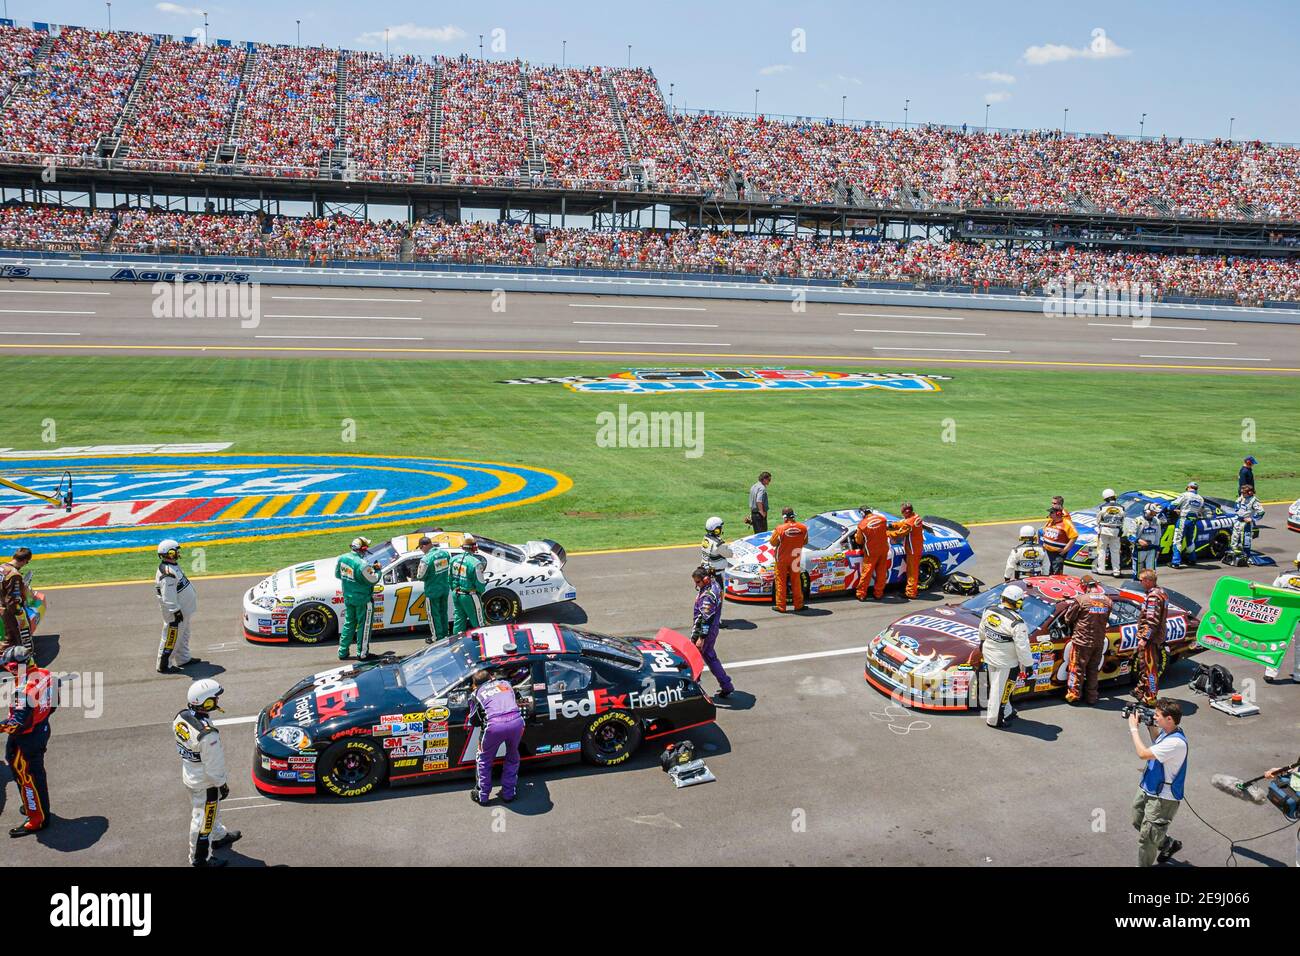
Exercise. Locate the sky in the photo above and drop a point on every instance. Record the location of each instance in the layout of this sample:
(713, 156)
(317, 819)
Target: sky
(1195, 68)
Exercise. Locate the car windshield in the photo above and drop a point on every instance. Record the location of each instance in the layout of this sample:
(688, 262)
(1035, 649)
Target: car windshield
(383, 554)
(823, 532)
(1035, 610)
(507, 552)
(431, 673)
(610, 648)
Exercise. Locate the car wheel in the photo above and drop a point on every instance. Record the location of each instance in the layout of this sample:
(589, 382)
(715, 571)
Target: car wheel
(1219, 545)
(927, 573)
(313, 623)
(353, 767)
(500, 606)
(611, 738)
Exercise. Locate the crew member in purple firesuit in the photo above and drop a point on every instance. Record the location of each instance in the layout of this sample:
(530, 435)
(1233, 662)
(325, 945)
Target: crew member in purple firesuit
(708, 617)
(494, 709)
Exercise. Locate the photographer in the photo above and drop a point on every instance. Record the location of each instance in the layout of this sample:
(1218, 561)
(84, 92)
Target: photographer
(1161, 788)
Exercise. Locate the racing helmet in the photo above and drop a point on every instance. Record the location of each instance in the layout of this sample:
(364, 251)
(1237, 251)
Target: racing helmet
(713, 525)
(361, 545)
(169, 549)
(907, 509)
(1013, 595)
(469, 543)
(14, 658)
(1027, 533)
(1193, 486)
(1108, 494)
(1151, 510)
(1296, 562)
(204, 695)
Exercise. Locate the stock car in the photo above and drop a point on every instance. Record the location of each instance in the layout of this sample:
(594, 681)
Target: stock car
(302, 604)
(1213, 537)
(831, 563)
(1293, 517)
(585, 696)
(930, 659)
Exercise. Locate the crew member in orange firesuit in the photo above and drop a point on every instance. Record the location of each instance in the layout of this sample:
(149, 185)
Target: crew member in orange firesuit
(1086, 615)
(1058, 534)
(877, 555)
(912, 531)
(28, 727)
(14, 595)
(789, 539)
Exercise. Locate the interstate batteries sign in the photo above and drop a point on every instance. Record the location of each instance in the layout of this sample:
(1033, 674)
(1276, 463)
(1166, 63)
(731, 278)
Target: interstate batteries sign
(660, 381)
(129, 502)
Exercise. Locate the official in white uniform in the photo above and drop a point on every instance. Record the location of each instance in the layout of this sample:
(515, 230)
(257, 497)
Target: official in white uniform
(178, 602)
(1291, 581)
(203, 771)
(1028, 558)
(1005, 645)
(715, 554)
(1110, 528)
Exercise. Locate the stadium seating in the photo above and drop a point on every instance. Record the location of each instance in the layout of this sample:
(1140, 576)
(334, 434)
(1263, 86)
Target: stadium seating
(652, 137)
(484, 133)
(387, 119)
(17, 47)
(576, 127)
(487, 243)
(288, 122)
(60, 228)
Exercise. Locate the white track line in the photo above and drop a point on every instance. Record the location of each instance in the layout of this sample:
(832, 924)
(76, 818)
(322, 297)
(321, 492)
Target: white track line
(252, 806)
(616, 342)
(333, 298)
(1174, 341)
(1158, 328)
(47, 292)
(657, 308)
(44, 312)
(656, 325)
(346, 338)
(231, 721)
(915, 332)
(376, 318)
(8, 332)
(899, 348)
(1210, 358)
(898, 315)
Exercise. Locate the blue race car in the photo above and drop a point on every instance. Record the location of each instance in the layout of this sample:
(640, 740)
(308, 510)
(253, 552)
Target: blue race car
(1213, 535)
(831, 562)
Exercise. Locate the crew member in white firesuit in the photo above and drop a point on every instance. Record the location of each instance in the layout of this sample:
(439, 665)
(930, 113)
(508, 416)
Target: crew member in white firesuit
(1291, 581)
(1110, 528)
(1005, 644)
(203, 771)
(178, 602)
(1188, 525)
(1144, 539)
(1028, 558)
(714, 552)
(1247, 513)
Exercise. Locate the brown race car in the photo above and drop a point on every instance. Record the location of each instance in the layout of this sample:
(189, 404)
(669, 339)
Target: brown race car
(931, 659)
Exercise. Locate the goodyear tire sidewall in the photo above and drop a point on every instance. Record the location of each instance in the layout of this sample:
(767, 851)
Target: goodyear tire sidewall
(336, 753)
(630, 744)
(330, 633)
(515, 605)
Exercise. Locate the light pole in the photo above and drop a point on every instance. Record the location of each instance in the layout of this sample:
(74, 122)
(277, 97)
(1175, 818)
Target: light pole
(109, 4)
(299, 23)
(1065, 122)
(906, 104)
(755, 103)
(564, 52)
(670, 97)
(986, 117)
(205, 28)
(1142, 127)
(629, 56)
(480, 46)
(385, 42)
(1231, 120)
(843, 102)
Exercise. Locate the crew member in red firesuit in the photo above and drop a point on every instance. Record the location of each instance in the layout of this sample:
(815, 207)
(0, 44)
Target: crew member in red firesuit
(789, 539)
(1151, 638)
(707, 618)
(911, 529)
(28, 727)
(877, 555)
(14, 595)
(1087, 615)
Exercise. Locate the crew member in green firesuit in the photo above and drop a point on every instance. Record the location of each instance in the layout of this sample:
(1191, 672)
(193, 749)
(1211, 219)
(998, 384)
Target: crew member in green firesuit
(468, 581)
(435, 572)
(359, 578)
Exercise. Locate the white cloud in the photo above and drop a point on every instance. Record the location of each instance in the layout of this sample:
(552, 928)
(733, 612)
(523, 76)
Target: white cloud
(409, 31)
(177, 10)
(997, 96)
(995, 77)
(855, 80)
(776, 68)
(1100, 47)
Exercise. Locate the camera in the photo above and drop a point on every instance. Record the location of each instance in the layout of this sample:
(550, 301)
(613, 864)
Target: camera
(1145, 714)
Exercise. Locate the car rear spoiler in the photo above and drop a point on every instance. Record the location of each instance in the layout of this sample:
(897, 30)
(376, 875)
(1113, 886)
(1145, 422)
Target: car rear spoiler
(961, 529)
(683, 646)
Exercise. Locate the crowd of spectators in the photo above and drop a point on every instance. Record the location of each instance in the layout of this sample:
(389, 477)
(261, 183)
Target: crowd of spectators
(484, 137)
(287, 126)
(201, 234)
(61, 228)
(334, 238)
(387, 117)
(654, 141)
(486, 243)
(575, 126)
(17, 47)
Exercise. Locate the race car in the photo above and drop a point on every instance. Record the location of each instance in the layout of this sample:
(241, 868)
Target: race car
(1213, 535)
(831, 562)
(1293, 517)
(931, 659)
(302, 604)
(584, 695)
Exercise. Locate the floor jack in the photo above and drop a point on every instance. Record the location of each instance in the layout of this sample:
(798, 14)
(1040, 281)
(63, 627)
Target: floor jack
(685, 769)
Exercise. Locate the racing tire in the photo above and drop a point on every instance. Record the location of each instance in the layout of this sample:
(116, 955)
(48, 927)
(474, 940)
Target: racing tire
(352, 767)
(500, 606)
(611, 738)
(313, 622)
(1219, 545)
(927, 572)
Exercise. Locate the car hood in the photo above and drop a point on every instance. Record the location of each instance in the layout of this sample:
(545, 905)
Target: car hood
(342, 696)
(753, 549)
(949, 634)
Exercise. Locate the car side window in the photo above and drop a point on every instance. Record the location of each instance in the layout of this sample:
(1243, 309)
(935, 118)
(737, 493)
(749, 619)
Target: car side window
(565, 676)
(402, 571)
(1123, 612)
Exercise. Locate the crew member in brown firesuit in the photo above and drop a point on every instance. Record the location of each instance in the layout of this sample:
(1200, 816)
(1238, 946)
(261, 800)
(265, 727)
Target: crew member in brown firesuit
(1087, 615)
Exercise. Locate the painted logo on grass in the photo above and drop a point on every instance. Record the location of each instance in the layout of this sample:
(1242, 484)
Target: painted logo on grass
(129, 502)
(659, 381)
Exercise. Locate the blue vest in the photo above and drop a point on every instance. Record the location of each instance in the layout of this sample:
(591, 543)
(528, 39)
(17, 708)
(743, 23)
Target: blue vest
(1153, 779)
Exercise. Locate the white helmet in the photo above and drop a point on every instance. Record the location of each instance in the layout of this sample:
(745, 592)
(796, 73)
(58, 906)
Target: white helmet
(713, 524)
(169, 549)
(1027, 531)
(1297, 560)
(469, 543)
(1014, 595)
(1108, 494)
(1193, 486)
(204, 695)
(360, 544)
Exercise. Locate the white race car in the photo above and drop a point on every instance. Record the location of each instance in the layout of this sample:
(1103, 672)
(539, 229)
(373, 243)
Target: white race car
(1293, 517)
(302, 604)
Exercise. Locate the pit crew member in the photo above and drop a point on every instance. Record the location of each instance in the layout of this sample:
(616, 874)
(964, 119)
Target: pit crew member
(1151, 638)
(178, 602)
(494, 709)
(359, 579)
(1110, 528)
(1087, 615)
(203, 771)
(1161, 789)
(28, 727)
(789, 539)
(1004, 640)
(1246, 476)
(911, 529)
(1028, 558)
(1144, 539)
(435, 571)
(1188, 505)
(14, 594)
(1058, 534)
(877, 556)
(707, 617)
(758, 503)
(1291, 581)
(1248, 511)
(714, 552)
(468, 581)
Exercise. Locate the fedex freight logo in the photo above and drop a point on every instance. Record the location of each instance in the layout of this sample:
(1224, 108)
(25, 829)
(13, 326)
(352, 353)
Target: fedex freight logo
(127, 501)
(598, 701)
(660, 381)
(1255, 610)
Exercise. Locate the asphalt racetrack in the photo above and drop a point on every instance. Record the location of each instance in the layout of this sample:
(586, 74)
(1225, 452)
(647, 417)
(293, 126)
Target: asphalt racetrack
(813, 765)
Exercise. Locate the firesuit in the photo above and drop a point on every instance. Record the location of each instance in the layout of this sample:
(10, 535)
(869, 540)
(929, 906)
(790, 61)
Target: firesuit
(1025, 561)
(1144, 541)
(1088, 616)
(714, 552)
(707, 617)
(1186, 529)
(1291, 581)
(468, 581)
(789, 538)
(1058, 534)
(28, 727)
(359, 577)
(1248, 511)
(1005, 644)
(1151, 642)
(435, 571)
(14, 594)
(203, 771)
(912, 531)
(179, 603)
(877, 556)
(1110, 528)
(494, 709)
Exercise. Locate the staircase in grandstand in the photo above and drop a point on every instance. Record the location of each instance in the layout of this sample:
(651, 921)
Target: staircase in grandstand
(429, 168)
(110, 145)
(25, 76)
(335, 162)
(635, 170)
(228, 151)
(536, 163)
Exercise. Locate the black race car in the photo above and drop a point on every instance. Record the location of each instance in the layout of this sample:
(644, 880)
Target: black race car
(406, 720)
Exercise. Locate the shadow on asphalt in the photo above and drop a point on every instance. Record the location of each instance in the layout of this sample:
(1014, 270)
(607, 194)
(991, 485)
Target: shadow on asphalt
(72, 835)
(46, 649)
(1024, 726)
(737, 700)
(737, 625)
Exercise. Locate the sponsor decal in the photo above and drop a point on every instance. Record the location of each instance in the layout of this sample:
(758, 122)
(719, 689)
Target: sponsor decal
(601, 700)
(126, 501)
(150, 275)
(435, 764)
(1255, 610)
(957, 629)
(659, 381)
(398, 764)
